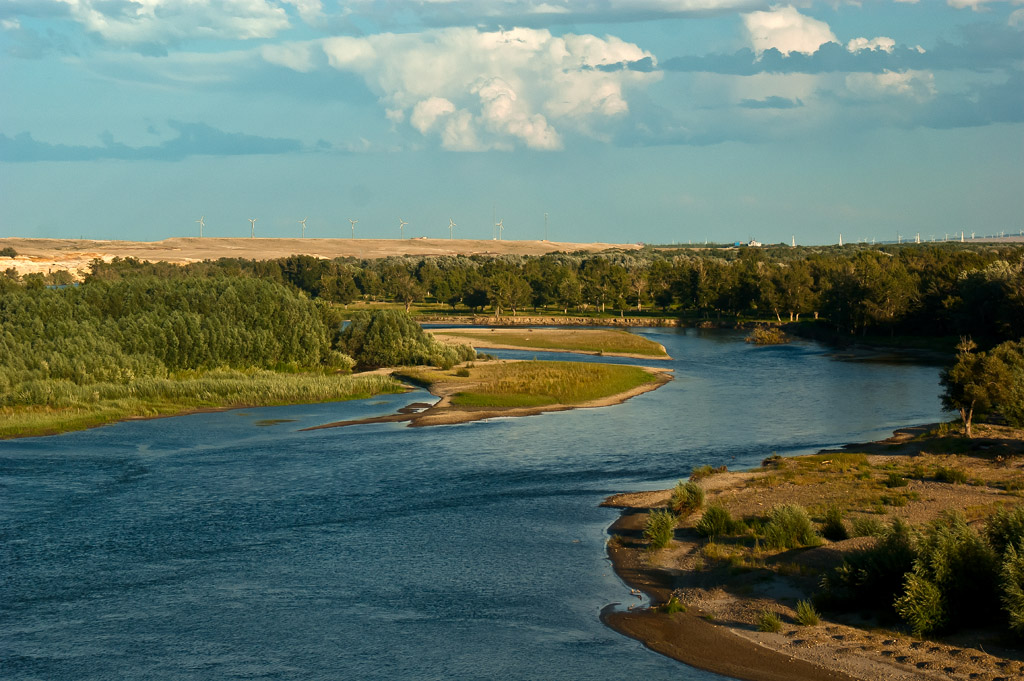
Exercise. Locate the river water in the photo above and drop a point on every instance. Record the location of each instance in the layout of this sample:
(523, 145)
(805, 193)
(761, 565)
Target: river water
(232, 546)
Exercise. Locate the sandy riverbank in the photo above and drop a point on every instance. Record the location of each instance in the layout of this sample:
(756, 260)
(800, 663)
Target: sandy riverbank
(494, 340)
(443, 412)
(718, 631)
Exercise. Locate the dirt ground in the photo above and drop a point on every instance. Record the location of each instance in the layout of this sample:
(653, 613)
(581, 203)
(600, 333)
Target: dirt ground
(74, 255)
(724, 603)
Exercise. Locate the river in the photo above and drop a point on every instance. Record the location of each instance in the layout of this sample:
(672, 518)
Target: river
(233, 546)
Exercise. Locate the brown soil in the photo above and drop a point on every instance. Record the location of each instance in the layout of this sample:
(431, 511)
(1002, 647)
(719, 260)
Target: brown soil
(75, 255)
(718, 631)
(444, 413)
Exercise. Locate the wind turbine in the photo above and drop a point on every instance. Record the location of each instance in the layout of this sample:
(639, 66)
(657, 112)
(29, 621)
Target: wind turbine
(353, 227)
(451, 226)
(401, 226)
(252, 235)
(202, 223)
(501, 227)
(303, 223)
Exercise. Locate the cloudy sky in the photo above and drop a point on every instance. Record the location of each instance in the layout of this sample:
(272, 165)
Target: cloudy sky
(623, 120)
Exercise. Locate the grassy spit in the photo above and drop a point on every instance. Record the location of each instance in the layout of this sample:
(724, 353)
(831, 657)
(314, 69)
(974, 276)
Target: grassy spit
(531, 384)
(75, 407)
(572, 340)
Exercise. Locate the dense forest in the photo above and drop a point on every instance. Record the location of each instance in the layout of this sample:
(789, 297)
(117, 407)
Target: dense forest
(947, 290)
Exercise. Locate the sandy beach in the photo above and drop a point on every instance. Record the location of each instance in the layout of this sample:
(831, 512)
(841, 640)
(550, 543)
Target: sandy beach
(718, 631)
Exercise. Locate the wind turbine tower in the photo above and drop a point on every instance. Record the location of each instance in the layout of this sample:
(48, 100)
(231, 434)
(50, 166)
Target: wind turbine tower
(840, 238)
(401, 227)
(252, 223)
(303, 223)
(793, 244)
(202, 223)
(500, 226)
(545, 226)
(451, 228)
(353, 227)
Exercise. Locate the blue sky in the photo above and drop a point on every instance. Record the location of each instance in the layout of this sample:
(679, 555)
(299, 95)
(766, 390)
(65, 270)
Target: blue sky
(624, 120)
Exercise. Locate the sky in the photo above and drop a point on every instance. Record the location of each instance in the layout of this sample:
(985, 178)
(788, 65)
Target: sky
(623, 121)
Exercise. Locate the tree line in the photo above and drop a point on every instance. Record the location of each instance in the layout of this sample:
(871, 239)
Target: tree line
(921, 290)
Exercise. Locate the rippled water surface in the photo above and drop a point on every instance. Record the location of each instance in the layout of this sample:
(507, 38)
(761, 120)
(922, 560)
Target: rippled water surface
(231, 545)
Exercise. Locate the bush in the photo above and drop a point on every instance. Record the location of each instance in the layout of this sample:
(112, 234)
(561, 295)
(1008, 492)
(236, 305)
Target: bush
(8, 252)
(687, 497)
(951, 475)
(706, 471)
(865, 526)
(462, 372)
(1011, 587)
(767, 335)
(659, 529)
(895, 480)
(873, 577)
(921, 605)
(386, 338)
(790, 527)
(769, 621)
(716, 522)
(1005, 529)
(673, 606)
(834, 529)
(806, 614)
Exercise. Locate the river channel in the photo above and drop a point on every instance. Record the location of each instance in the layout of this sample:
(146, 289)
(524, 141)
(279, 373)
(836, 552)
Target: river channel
(232, 545)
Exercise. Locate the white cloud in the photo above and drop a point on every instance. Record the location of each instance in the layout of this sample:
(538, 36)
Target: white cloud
(170, 21)
(978, 5)
(295, 56)
(919, 85)
(478, 90)
(881, 43)
(786, 30)
(310, 11)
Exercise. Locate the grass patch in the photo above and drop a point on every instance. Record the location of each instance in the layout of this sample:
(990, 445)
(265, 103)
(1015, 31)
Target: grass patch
(148, 397)
(806, 614)
(769, 621)
(573, 340)
(534, 383)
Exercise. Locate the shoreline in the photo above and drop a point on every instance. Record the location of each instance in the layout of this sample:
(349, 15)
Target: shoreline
(442, 413)
(717, 632)
(450, 336)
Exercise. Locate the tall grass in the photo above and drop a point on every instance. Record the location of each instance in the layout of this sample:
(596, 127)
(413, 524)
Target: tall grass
(76, 407)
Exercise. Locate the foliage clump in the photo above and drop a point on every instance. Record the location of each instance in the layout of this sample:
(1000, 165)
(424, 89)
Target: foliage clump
(834, 529)
(687, 497)
(717, 522)
(769, 621)
(767, 335)
(806, 614)
(659, 528)
(387, 338)
(790, 527)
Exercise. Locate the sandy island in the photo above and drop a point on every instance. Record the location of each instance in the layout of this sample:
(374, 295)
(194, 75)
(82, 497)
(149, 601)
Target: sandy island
(493, 340)
(718, 631)
(444, 413)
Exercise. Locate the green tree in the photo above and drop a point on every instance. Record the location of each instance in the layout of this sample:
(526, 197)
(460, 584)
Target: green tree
(975, 383)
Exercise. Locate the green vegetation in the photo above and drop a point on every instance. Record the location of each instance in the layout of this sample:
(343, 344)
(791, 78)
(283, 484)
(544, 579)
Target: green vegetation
(980, 383)
(717, 522)
(806, 615)
(769, 621)
(834, 529)
(789, 527)
(705, 471)
(659, 528)
(534, 383)
(767, 335)
(387, 338)
(673, 605)
(687, 497)
(589, 340)
(8, 252)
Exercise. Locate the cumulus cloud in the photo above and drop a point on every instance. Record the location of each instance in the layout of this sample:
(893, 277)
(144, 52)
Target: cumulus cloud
(881, 43)
(919, 85)
(786, 30)
(476, 89)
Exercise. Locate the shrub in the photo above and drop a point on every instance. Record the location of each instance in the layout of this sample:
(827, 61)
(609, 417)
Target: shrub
(895, 480)
(706, 471)
(8, 252)
(716, 522)
(873, 577)
(1005, 529)
(769, 621)
(673, 606)
(865, 526)
(951, 475)
(806, 614)
(789, 527)
(687, 497)
(659, 529)
(1011, 586)
(834, 529)
(767, 335)
(462, 372)
(921, 605)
